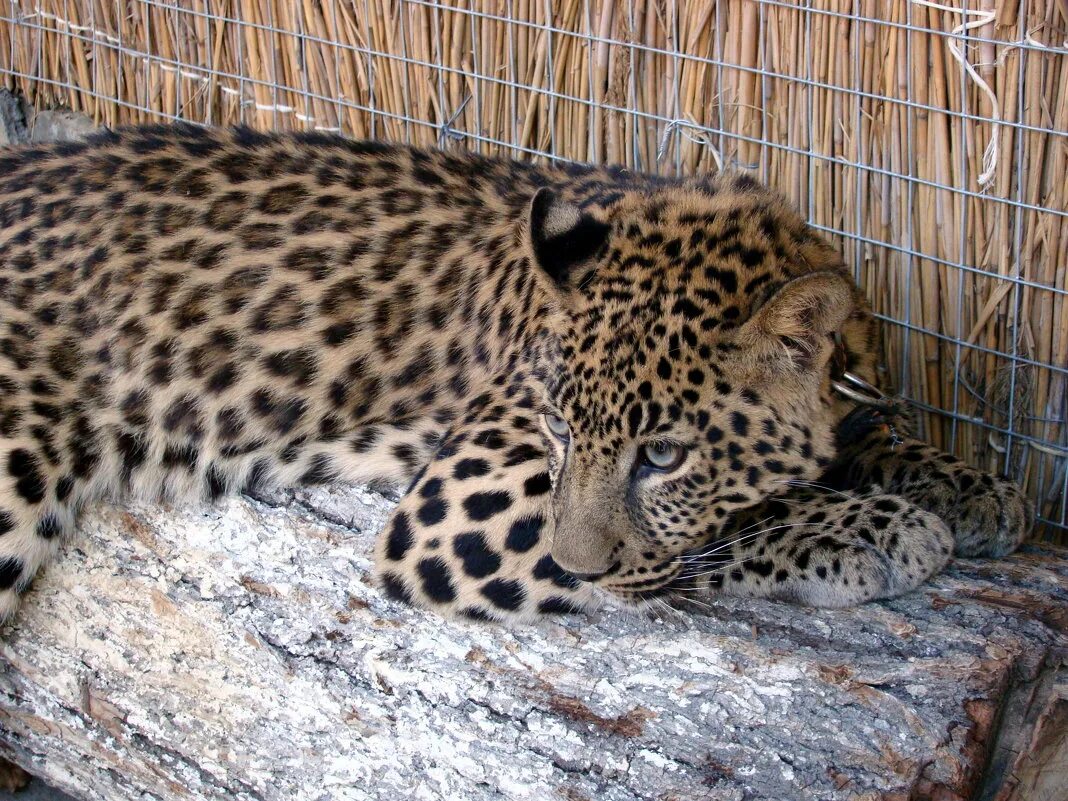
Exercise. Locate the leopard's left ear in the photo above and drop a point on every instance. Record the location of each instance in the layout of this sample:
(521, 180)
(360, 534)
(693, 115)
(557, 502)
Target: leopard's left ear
(563, 238)
(793, 326)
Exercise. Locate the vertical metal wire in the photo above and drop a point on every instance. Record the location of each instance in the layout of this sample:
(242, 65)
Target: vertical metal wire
(551, 76)
(513, 101)
(274, 64)
(175, 27)
(14, 13)
(146, 73)
(762, 44)
(67, 55)
(372, 100)
(858, 195)
(676, 103)
(965, 204)
(908, 157)
(591, 148)
(40, 52)
(92, 47)
(478, 87)
(720, 59)
(632, 89)
(406, 89)
(209, 96)
(439, 51)
(305, 79)
(810, 110)
(241, 105)
(1017, 244)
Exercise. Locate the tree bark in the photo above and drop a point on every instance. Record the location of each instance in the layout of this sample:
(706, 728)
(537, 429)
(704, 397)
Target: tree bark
(243, 652)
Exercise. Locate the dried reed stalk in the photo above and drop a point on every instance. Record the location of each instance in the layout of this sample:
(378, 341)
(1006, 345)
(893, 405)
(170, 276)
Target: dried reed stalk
(680, 86)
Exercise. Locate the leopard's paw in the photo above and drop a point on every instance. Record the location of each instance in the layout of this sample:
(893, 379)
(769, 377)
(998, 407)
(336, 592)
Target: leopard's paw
(989, 517)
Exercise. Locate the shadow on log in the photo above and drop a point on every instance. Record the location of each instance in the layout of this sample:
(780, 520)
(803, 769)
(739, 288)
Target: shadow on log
(242, 652)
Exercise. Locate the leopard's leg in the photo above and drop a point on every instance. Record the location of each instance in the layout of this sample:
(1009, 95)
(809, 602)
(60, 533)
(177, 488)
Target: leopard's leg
(35, 510)
(988, 514)
(472, 535)
(818, 548)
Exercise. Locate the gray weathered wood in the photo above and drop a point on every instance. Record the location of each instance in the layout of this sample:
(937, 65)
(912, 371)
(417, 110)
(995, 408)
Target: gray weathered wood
(241, 651)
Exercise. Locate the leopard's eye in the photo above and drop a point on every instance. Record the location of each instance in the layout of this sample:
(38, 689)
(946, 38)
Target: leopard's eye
(558, 426)
(662, 455)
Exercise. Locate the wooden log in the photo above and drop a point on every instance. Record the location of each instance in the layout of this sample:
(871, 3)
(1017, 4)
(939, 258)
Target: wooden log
(242, 652)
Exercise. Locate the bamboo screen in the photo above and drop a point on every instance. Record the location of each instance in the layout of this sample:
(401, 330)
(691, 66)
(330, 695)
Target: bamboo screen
(928, 140)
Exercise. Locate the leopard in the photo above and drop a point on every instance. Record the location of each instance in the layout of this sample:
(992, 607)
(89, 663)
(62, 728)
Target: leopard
(599, 386)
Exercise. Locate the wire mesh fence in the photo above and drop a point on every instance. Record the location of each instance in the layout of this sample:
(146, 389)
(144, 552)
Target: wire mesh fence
(929, 141)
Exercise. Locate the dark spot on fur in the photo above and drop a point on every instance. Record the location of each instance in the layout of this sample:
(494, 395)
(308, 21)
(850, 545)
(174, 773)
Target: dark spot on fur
(431, 488)
(432, 512)
(10, 571)
(437, 583)
(48, 527)
(400, 538)
(523, 452)
(490, 438)
(536, 485)
(134, 451)
(396, 588)
(505, 593)
(484, 505)
(216, 484)
(320, 471)
(478, 558)
(470, 468)
(25, 468)
(739, 424)
(557, 605)
(524, 533)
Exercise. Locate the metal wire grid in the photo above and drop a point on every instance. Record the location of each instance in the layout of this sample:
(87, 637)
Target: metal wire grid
(1040, 459)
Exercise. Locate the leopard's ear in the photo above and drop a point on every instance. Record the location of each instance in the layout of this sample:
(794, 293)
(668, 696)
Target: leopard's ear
(796, 322)
(563, 238)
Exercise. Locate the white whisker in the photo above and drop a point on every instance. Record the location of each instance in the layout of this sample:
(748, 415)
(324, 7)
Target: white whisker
(797, 482)
(692, 556)
(722, 546)
(695, 602)
(722, 568)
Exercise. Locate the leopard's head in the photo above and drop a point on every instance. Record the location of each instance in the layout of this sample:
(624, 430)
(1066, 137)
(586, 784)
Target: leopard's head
(690, 371)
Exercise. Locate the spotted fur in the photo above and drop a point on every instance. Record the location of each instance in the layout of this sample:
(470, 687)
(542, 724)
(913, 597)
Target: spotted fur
(188, 312)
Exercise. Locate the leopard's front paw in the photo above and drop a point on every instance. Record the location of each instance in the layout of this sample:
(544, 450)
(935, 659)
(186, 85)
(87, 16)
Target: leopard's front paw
(989, 516)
